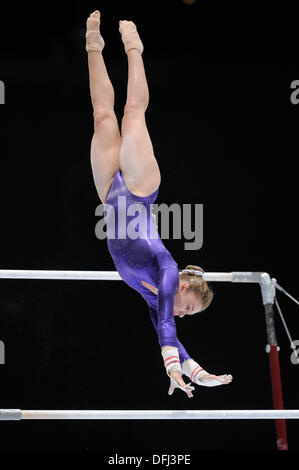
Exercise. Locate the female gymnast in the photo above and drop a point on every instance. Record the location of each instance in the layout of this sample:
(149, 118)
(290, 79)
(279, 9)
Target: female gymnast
(125, 165)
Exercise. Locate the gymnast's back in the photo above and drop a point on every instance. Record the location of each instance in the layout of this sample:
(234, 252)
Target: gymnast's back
(134, 242)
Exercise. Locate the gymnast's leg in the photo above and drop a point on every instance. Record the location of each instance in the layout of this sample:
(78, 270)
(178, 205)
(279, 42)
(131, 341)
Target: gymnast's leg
(105, 144)
(137, 161)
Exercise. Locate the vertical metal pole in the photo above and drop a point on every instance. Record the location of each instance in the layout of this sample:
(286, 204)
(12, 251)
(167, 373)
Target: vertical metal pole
(268, 293)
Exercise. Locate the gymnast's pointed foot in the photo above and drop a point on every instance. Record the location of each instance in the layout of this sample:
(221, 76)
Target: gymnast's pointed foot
(94, 40)
(130, 36)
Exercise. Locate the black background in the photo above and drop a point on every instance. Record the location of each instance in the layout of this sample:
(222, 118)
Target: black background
(225, 134)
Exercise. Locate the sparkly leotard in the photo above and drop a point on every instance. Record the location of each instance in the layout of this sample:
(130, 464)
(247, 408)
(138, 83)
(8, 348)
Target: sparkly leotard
(144, 258)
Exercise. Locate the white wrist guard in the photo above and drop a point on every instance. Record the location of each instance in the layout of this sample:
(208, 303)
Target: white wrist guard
(171, 360)
(193, 371)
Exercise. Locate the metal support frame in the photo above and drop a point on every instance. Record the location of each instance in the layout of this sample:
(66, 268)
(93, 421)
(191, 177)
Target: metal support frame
(268, 287)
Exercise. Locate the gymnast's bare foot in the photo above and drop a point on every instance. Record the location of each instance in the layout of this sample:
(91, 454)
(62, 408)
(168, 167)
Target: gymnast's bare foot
(94, 40)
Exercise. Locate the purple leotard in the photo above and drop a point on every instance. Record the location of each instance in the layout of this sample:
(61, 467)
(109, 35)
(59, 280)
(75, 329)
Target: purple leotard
(144, 258)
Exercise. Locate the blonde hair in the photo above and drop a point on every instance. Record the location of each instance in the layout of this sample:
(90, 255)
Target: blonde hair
(198, 285)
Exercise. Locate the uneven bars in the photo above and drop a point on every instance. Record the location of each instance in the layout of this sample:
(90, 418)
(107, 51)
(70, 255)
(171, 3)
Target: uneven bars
(114, 276)
(18, 415)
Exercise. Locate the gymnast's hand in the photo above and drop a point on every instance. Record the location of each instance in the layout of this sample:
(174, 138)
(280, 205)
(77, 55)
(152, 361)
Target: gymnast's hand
(174, 371)
(201, 377)
(211, 380)
(176, 381)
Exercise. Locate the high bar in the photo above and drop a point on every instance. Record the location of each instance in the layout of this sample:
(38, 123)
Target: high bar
(114, 276)
(17, 415)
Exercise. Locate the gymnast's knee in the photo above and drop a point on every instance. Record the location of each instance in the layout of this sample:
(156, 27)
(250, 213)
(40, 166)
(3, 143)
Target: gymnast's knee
(134, 109)
(102, 117)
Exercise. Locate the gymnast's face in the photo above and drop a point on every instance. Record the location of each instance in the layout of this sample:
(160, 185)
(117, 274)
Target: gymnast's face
(186, 302)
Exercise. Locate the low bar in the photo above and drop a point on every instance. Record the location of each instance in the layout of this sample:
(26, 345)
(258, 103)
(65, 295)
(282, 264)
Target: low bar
(147, 414)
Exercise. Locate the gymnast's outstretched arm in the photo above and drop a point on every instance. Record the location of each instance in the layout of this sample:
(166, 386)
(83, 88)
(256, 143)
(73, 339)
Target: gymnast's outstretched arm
(164, 323)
